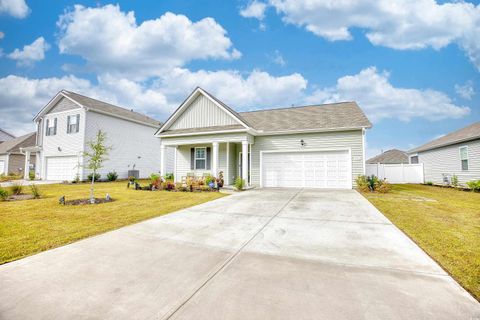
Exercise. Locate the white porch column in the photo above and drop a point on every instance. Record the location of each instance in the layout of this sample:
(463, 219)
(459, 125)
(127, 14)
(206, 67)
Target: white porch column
(175, 179)
(214, 159)
(26, 171)
(245, 161)
(227, 171)
(162, 160)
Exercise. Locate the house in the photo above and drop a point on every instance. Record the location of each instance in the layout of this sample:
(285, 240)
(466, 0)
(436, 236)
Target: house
(393, 156)
(457, 153)
(319, 146)
(5, 136)
(12, 159)
(70, 120)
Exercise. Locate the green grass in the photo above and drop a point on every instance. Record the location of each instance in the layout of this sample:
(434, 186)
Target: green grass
(31, 226)
(442, 221)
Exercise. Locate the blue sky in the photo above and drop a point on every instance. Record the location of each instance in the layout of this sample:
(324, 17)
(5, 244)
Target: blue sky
(416, 76)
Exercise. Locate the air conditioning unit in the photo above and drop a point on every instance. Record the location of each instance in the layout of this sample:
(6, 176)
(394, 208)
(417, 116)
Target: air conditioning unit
(446, 179)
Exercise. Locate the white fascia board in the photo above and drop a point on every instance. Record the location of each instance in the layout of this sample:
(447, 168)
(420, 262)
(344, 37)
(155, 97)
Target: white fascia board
(52, 102)
(274, 133)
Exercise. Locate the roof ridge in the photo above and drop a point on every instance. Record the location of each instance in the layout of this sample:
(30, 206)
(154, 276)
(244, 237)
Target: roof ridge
(298, 107)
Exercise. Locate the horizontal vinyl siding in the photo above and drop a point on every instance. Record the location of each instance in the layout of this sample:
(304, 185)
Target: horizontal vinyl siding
(63, 105)
(324, 140)
(202, 113)
(129, 140)
(183, 160)
(70, 144)
(446, 160)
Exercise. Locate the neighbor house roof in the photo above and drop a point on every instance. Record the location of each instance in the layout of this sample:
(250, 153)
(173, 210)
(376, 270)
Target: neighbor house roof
(332, 116)
(5, 136)
(468, 133)
(14, 145)
(393, 156)
(101, 106)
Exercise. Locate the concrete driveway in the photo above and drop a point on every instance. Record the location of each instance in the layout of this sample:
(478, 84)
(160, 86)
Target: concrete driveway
(262, 254)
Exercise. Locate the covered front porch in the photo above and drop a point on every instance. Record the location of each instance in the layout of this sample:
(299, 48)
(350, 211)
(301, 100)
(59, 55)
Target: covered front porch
(208, 156)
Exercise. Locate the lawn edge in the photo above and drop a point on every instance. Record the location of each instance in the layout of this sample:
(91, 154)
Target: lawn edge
(474, 296)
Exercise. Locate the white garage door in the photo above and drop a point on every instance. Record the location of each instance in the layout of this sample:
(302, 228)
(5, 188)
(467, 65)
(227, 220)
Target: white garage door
(2, 166)
(62, 168)
(325, 169)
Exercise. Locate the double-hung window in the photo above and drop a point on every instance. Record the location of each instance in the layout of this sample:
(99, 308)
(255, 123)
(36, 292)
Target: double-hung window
(200, 158)
(51, 127)
(73, 123)
(464, 157)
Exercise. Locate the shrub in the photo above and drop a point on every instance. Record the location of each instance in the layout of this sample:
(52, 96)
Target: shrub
(429, 183)
(383, 186)
(169, 176)
(454, 181)
(239, 183)
(35, 191)
(362, 183)
(17, 189)
(132, 179)
(209, 179)
(169, 186)
(3, 194)
(31, 175)
(155, 180)
(112, 176)
(474, 185)
(95, 179)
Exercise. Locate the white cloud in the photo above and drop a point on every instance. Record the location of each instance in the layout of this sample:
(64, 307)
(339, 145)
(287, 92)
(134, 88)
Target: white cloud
(15, 8)
(380, 99)
(466, 91)
(254, 9)
(277, 58)
(111, 41)
(402, 24)
(256, 90)
(30, 53)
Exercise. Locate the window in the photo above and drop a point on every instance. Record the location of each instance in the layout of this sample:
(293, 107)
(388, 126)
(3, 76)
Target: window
(51, 127)
(200, 158)
(73, 123)
(414, 159)
(464, 158)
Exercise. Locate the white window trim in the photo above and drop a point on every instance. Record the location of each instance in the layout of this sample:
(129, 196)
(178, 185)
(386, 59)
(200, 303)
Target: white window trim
(195, 159)
(467, 158)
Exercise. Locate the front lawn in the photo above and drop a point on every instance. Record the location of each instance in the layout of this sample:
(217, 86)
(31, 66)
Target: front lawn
(443, 222)
(31, 226)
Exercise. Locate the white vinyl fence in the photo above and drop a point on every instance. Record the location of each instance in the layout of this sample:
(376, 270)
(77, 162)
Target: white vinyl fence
(397, 173)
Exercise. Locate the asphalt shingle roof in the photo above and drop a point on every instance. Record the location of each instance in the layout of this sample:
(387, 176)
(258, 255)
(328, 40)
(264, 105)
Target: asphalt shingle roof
(315, 117)
(393, 156)
(470, 132)
(14, 145)
(95, 104)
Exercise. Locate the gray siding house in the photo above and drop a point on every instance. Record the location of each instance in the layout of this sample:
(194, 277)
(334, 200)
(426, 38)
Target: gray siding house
(457, 153)
(12, 157)
(70, 120)
(320, 146)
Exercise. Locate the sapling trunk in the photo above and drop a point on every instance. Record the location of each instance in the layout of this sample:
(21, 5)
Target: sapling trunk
(92, 199)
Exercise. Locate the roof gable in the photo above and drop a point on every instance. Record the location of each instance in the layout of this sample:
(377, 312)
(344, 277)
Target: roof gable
(202, 110)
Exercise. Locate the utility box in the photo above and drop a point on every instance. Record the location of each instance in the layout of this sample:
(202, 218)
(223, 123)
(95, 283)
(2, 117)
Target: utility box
(134, 173)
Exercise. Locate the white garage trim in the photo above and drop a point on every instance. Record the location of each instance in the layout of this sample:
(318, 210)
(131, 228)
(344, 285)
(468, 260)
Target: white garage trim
(2, 166)
(349, 150)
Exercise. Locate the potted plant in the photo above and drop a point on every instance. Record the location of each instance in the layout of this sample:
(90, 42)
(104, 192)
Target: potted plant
(220, 179)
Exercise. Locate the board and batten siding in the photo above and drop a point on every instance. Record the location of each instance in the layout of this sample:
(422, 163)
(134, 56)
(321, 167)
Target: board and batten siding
(202, 113)
(131, 142)
(446, 160)
(313, 141)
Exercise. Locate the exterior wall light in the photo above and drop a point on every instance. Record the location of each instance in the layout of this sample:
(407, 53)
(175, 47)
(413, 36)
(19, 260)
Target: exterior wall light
(302, 143)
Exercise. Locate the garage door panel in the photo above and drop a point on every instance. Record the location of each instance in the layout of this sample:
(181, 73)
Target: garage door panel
(320, 169)
(62, 168)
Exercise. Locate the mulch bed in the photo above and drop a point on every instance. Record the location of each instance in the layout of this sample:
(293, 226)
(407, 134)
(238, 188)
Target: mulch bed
(78, 202)
(17, 197)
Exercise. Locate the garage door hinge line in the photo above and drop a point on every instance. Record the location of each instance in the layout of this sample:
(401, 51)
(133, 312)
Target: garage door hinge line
(231, 258)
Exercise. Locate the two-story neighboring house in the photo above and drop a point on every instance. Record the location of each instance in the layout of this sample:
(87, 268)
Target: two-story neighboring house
(70, 120)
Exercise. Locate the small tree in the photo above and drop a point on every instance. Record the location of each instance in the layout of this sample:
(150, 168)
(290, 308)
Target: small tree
(96, 156)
